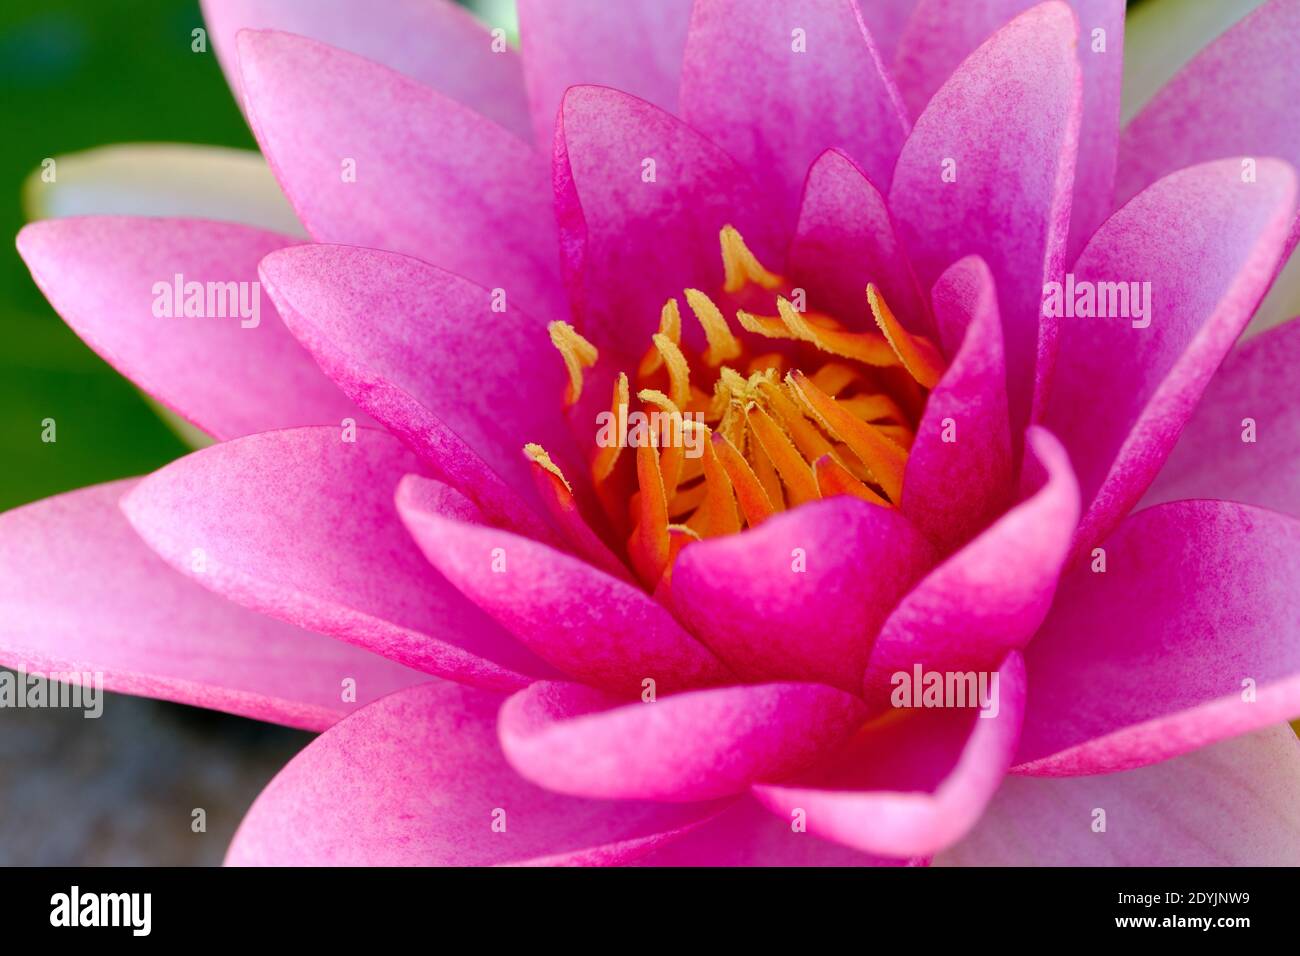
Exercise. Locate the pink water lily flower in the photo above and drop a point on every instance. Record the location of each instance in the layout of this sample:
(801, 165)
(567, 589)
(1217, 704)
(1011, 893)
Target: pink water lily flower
(814, 237)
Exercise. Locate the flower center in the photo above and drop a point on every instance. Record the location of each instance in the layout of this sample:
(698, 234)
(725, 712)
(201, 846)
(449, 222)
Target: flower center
(800, 408)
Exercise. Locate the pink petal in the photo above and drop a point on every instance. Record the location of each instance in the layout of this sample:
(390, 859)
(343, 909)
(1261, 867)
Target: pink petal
(633, 45)
(746, 834)
(886, 19)
(696, 745)
(629, 244)
(458, 382)
(228, 376)
(1212, 459)
(1152, 657)
(80, 592)
(300, 525)
(1208, 244)
(432, 178)
(1232, 804)
(1236, 98)
(959, 472)
(417, 779)
(1008, 119)
(802, 596)
(942, 33)
(434, 41)
(844, 240)
(991, 596)
(775, 98)
(587, 623)
(912, 782)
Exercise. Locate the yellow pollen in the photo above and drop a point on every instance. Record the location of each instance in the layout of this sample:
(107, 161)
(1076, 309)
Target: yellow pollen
(723, 346)
(538, 456)
(577, 353)
(918, 355)
(741, 265)
(679, 371)
(670, 325)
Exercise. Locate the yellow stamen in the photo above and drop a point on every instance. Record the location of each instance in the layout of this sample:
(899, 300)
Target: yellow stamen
(538, 456)
(741, 265)
(871, 408)
(648, 547)
(723, 345)
(754, 501)
(885, 459)
(865, 347)
(834, 479)
(918, 355)
(670, 324)
(577, 353)
(794, 471)
(607, 456)
(679, 372)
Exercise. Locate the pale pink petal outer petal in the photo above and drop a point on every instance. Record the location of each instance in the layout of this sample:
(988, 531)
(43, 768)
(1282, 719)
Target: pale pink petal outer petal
(746, 834)
(990, 596)
(1123, 387)
(845, 239)
(369, 157)
(1248, 398)
(80, 592)
(300, 524)
(230, 372)
(1187, 637)
(641, 198)
(581, 620)
(1231, 804)
(1236, 98)
(942, 33)
(417, 779)
(777, 82)
(959, 470)
(1006, 125)
(459, 381)
(802, 596)
(915, 782)
(697, 745)
(632, 45)
(434, 41)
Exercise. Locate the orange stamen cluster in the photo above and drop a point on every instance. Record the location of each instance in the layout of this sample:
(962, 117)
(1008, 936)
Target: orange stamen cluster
(824, 411)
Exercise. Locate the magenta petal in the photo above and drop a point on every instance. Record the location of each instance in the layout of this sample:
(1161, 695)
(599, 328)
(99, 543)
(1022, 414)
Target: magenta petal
(1248, 397)
(1232, 804)
(1208, 244)
(80, 592)
(434, 41)
(1006, 125)
(417, 779)
(913, 782)
(959, 472)
(459, 382)
(802, 596)
(300, 525)
(1236, 98)
(696, 745)
(369, 157)
(587, 623)
(942, 33)
(777, 82)
(991, 596)
(233, 375)
(844, 240)
(746, 834)
(629, 244)
(1187, 637)
(886, 19)
(632, 45)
